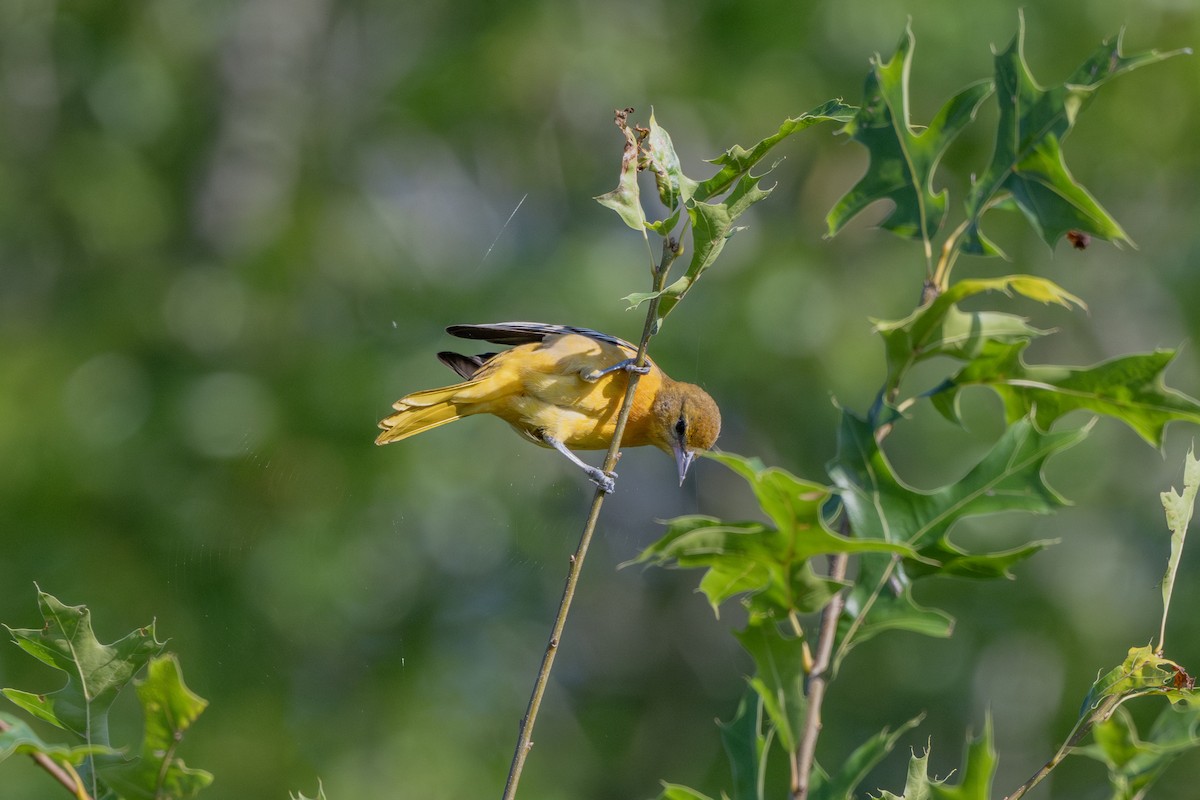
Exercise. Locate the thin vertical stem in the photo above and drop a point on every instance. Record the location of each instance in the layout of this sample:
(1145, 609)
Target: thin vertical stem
(525, 740)
(818, 681)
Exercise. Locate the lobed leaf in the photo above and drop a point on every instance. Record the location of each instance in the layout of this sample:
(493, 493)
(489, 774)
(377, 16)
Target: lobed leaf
(881, 600)
(168, 708)
(674, 188)
(768, 564)
(779, 677)
(975, 776)
(940, 328)
(903, 161)
(859, 763)
(738, 161)
(1142, 672)
(321, 794)
(1009, 478)
(17, 738)
(1135, 764)
(1027, 167)
(96, 672)
(1129, 388)
(746, 747)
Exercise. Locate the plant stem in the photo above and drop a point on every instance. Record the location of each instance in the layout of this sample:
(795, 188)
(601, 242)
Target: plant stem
(67, 777)
(671, 250)
(1102, 712)
(818, 680)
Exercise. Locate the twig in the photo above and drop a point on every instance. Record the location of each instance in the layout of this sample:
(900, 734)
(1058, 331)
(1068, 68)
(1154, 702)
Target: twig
(818, 680)
(1077, 734)
(69, 779)
(671, 250)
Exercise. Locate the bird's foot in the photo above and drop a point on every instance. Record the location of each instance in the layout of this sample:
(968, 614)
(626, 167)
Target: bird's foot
(607, 481)
(628, 365)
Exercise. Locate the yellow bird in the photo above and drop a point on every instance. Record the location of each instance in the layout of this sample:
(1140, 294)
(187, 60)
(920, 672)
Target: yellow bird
(562, 387)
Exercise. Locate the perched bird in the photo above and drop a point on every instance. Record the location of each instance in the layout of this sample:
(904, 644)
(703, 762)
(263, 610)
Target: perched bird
(562, 387)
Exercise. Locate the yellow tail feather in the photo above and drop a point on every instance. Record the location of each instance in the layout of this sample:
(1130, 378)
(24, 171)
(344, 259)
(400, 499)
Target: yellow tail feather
(411, 420)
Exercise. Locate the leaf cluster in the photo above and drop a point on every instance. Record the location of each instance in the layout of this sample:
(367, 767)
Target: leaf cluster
(862, 509)
(96, 674)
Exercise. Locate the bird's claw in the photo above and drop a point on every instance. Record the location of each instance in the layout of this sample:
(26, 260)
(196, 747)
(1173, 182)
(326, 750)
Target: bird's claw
(628, 365)
(606, 481)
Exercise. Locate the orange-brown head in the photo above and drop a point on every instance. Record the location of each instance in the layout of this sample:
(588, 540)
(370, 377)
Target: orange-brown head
(686, 421)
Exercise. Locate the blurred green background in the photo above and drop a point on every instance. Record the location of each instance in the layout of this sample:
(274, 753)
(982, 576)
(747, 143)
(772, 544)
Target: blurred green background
(232, 232)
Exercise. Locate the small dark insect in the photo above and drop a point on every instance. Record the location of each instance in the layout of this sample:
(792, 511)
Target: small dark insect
(1182, 680)
(1079, 240)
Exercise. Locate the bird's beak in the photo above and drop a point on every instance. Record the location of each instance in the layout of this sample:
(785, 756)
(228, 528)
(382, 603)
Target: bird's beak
(683, 458)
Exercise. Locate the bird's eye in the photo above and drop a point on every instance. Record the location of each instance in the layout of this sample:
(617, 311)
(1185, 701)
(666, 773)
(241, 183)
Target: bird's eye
(681, 427)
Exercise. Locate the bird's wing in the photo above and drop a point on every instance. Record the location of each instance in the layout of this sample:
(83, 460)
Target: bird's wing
(514, 333)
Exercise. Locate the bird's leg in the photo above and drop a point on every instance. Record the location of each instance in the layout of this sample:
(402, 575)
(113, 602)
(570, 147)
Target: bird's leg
(628, 365)
(605, 480)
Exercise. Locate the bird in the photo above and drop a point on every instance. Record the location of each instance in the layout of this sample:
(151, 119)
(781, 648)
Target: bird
(561, 387)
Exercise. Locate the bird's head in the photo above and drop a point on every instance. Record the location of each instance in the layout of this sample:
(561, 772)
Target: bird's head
(686, 422)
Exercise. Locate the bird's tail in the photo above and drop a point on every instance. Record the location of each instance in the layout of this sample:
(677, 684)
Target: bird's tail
(420, 412)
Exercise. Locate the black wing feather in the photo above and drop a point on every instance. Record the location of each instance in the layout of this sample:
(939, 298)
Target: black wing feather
(515, 333)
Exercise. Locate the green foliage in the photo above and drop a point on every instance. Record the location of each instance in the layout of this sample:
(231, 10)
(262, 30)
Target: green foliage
(17, 738)
(903, 161)
(974, 777)
(1128, 388)
(861, 761)
(711, 223)
(96, 675)
(1028, 167)
(895, 533)
(769, 564)
(169, 708)
(96, 672)
(1179, 509)
(1008, 478)
(1133, 763)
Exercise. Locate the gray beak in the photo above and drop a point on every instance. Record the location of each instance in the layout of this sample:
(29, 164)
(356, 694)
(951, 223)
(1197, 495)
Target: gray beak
(683, 458)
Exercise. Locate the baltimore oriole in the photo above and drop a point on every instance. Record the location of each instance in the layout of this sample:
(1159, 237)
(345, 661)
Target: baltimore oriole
(562, 387)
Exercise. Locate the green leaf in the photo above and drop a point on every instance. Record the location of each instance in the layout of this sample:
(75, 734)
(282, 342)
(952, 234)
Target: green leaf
(778, 677)
(747, 747)
(626, 198)
(855, 768)
(671, 791)
(976, 774)
(712, 226)
(1028, 166)
(168, 708)
(769, 564)
(940, 328)
(96, 672)
(1133, 764)
(903, 161)
(1179, 508)
(1129, 388)
(1142, 672)
(1009, 478)
(17, 738)
(881, 600)
(674, 188)
(737, 161)
(742, 558)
